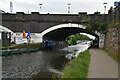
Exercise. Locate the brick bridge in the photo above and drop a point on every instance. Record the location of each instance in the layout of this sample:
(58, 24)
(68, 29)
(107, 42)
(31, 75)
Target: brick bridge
(37, 23)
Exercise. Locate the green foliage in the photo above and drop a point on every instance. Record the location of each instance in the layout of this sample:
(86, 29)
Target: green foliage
(78, 67)
(6, 47)
(30, 45)
(21, 46)
(73, 38)
(84, 21)
(96, 25)
(113, 24)
(82, 37)
(96, 39)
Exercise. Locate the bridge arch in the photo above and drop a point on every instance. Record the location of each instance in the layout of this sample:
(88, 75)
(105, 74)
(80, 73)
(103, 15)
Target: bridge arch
(60, 32)
(4, 29)
(62, 26)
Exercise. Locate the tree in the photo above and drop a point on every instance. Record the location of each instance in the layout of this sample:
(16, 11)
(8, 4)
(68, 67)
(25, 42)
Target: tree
(72, 39)
(96, 25)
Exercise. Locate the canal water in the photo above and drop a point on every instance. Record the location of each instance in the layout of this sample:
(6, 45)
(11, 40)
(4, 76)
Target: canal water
(41, 64)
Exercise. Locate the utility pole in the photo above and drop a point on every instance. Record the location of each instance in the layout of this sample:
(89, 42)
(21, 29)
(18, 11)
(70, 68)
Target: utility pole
(68, 7)
(40, 6)
(104, 7)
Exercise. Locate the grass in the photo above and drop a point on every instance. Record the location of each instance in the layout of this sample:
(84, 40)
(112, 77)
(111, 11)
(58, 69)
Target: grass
(78, 67)
(20, 46)
(30, 45)
(114, 55)
(6, 47)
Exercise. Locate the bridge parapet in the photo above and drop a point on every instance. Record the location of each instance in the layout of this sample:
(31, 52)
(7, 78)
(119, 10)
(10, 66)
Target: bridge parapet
(20, 15)
(35, 16)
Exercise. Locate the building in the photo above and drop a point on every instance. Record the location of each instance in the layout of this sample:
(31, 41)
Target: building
(5, 36)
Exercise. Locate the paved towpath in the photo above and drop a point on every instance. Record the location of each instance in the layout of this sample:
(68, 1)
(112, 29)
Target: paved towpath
(102, 65)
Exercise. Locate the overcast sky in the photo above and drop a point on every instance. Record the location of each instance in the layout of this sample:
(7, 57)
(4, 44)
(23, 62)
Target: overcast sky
(56, 6)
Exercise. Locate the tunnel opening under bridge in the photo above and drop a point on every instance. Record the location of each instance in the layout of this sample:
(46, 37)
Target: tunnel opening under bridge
(61, 34)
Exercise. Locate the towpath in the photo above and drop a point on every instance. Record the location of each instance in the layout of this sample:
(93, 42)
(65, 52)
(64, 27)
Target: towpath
(102, 65)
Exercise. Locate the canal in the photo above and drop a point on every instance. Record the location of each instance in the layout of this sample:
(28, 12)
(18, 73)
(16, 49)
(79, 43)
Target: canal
(41, 64)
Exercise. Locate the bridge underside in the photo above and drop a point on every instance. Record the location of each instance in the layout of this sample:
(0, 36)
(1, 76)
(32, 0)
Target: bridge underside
(61, 33)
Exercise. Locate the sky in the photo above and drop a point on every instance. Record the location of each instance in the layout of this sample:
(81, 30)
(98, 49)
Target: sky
(56, 6)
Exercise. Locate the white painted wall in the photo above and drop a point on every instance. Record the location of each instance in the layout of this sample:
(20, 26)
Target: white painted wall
(35, 37)
(101, 40)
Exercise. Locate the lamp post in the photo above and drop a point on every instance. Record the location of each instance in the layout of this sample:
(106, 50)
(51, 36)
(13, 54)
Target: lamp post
(68, 7)
(40, 6)
(104, 7)
(11, 7)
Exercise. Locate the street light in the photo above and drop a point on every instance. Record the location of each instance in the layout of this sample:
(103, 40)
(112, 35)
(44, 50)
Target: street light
(11, 7)
(68, 7)
(40, 6)
(104, 7)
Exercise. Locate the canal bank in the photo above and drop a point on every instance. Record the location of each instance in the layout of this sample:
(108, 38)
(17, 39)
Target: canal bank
(114, 55)
(78, 67)
(95, 64)
(20, 48)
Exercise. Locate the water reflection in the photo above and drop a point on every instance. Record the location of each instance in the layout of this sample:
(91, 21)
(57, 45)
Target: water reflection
(38, 64)
(74, 50)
